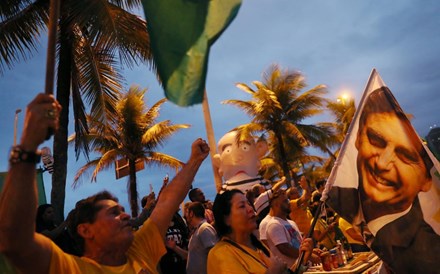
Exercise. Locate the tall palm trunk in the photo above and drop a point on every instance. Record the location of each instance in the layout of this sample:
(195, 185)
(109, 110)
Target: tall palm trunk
(132, 188)
(60, 145)
(284, 164)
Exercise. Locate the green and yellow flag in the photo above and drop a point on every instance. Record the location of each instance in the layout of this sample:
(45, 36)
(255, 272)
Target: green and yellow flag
(181, 33)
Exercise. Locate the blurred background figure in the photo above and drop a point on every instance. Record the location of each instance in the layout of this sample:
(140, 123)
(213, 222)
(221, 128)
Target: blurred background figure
(299, 212)
(45, 222)
(197, 195)
(46, 157)
(204, 237)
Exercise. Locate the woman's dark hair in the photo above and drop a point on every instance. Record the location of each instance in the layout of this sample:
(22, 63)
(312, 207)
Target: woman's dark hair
(222, 209)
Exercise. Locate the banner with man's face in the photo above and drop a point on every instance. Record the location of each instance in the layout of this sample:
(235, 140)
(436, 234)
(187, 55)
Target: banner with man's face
(386, 183)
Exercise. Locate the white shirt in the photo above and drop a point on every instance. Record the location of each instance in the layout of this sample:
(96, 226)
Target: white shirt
(263, 227)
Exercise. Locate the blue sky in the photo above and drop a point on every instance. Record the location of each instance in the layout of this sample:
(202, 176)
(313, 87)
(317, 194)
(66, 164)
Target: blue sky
(336, 43)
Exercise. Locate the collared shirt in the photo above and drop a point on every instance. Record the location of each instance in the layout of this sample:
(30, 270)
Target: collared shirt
(370, 229)
(376, 224)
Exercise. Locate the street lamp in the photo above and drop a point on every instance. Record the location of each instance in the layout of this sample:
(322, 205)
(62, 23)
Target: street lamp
(17, 111)
(343, 99)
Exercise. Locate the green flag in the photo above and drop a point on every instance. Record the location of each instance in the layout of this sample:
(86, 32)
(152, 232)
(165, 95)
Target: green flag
(181, 33)
(40, 186)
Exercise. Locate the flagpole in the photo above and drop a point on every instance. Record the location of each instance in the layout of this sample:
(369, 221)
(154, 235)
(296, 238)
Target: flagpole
(309, 235)
(51, 46)
(211, 140)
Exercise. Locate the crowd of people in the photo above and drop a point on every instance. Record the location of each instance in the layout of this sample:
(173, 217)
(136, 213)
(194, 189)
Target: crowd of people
(252, 229)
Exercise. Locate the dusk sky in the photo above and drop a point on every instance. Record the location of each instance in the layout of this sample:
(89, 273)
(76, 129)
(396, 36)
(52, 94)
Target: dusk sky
(332, 42)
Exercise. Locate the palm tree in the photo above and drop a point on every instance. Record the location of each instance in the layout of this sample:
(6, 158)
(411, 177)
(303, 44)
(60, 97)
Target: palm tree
(133, 135)
(298, 159)
(343, 111)
(279, 109)
(95, 40)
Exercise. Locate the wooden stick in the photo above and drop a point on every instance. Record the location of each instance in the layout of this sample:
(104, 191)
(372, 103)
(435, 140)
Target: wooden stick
(309, 235)
(51, 51)
(211, 140)
(51, 45)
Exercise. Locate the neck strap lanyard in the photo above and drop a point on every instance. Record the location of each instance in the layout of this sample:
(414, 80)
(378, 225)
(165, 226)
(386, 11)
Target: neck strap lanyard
(244, 250)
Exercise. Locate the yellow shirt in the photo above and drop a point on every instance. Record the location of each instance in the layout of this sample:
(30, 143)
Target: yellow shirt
(344, 226)
(329, 239)
(226, 258)
(300, 215)
(142, 257)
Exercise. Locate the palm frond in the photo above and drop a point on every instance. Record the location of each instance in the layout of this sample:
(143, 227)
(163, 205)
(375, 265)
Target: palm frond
(126, 4)
(11, 7)
(21, 25)
(105, 161)
(113, 29)
(245, 88)
(246, 106)
(246, 130)
(153, 112)
(100, 80)
(157, 134)
(160, 160)
(279, 108)
(83, 171)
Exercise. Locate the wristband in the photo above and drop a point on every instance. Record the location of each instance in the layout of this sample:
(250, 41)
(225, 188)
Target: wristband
(18, 155)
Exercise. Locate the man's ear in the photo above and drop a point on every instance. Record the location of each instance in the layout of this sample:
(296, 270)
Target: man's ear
(84, 230)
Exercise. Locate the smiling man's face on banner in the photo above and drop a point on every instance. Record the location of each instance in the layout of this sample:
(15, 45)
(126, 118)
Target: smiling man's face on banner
(390, 165)
(385, 184)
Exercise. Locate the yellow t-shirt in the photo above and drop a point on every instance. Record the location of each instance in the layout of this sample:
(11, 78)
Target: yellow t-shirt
(225, 258)
(299, 214)
(328, 241)
(142, 257)
(344, 226)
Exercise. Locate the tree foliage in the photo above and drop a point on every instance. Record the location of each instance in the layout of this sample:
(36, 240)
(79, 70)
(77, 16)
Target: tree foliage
(280, 108)
(134, 134)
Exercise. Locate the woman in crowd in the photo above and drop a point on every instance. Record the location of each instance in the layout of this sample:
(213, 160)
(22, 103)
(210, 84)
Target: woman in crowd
(239, 251)
(45, 222)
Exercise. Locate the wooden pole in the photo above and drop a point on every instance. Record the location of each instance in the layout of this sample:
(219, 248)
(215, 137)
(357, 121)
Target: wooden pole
(51, 50)
(211, 140)
(309, 235)
(51, 45)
